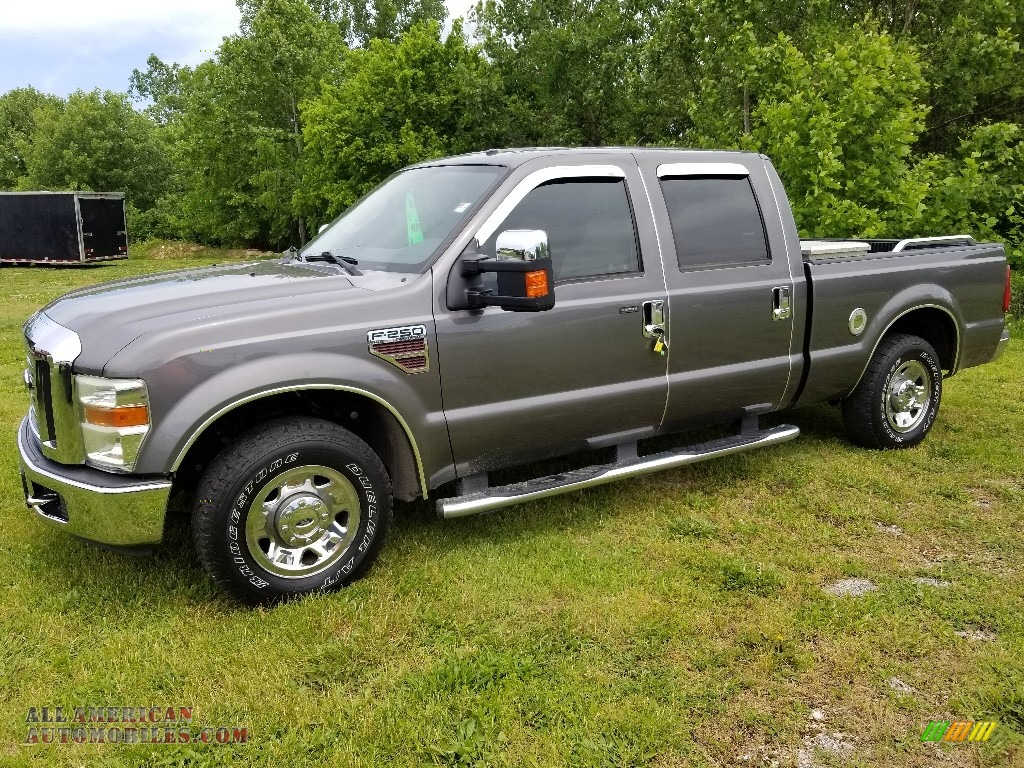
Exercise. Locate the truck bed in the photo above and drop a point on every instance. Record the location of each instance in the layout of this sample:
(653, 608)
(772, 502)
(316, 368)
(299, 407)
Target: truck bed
(950, 282)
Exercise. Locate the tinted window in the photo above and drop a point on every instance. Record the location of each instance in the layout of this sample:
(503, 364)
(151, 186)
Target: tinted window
(715, 222)
(589, 225)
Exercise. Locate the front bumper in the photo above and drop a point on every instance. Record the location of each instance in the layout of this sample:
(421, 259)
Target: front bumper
(115, 510)
(1003, 341)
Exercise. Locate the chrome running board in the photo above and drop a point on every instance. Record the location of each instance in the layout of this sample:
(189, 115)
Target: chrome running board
(542, 487)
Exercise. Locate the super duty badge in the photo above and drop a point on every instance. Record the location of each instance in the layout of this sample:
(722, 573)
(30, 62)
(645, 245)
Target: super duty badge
(404, 347)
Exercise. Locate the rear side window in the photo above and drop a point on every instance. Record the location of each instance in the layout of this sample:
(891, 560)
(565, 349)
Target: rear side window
(715, 222)
(589, 224)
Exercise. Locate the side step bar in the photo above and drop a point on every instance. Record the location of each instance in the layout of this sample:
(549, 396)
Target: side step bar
(541, 488)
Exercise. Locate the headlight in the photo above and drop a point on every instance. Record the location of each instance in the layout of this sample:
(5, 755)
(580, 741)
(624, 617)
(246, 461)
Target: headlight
(114, 414)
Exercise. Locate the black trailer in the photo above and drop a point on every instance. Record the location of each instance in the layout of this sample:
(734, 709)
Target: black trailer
(62, 227)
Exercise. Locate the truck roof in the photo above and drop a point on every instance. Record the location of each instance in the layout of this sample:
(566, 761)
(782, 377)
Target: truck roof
(515, 156)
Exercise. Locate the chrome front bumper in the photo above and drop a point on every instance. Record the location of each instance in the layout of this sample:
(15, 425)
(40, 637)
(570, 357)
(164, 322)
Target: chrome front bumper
(115, 510)
(1003, 341)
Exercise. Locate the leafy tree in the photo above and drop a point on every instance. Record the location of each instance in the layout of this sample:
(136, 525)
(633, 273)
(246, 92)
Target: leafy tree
(17, 128)
(840, 123)
(980, 190)
(570, 68)
(164, 86)
(241, 126)
(399, 103)
(96, 141)
(361, 21)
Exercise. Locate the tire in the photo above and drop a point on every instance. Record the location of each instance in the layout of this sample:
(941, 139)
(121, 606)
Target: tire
(293, 506)
(898, 398)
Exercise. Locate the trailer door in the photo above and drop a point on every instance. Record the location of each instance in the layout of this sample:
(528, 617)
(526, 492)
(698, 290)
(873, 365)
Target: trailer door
(104, 234)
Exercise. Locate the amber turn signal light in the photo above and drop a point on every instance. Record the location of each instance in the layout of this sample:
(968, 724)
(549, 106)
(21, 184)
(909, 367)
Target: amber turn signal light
(536, 284)
(122, 416)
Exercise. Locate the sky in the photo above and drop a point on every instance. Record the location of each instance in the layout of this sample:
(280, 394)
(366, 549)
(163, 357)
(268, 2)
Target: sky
(59, 46)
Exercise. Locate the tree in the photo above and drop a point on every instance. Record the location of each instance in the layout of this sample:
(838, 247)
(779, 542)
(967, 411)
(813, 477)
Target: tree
(17, 128)
(96, 141)
(399, 103)
(570, 68)
(164, 86)
(361, 21)
(840, 123)
(980, 190)
(241, 127)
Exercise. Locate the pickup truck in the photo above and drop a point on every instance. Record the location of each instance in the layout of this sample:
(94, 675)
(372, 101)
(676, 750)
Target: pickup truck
(474, 314)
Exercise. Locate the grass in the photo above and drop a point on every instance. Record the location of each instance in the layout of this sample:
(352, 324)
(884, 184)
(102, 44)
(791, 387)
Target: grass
(674, 620)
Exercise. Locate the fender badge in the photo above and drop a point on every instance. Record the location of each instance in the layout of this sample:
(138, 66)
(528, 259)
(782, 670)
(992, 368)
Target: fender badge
(405, 347)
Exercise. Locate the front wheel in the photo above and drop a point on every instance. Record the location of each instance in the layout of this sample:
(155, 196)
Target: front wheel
(897, 399)
(292, 507)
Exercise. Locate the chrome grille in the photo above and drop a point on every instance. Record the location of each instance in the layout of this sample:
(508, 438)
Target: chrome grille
(44, 403)
(52, 349)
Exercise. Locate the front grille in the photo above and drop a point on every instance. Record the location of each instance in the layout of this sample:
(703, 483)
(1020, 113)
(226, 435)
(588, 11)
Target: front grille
(52, 349)
(44, 403)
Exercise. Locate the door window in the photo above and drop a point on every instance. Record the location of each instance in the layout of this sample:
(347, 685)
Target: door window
(716, 222)
(589, 224)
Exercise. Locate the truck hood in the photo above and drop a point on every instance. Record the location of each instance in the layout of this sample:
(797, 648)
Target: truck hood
(109, 316)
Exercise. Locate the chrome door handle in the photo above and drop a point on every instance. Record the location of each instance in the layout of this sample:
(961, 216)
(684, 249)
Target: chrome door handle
(654, 318)
(781, 303)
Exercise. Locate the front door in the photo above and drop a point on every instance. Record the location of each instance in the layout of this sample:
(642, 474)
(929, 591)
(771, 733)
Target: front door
(521, 386)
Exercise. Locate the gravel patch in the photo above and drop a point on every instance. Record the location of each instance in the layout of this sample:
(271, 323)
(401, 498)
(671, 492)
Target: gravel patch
(928, 581)
(850, 587)
(892, 530)
(833, 743)
(900, 687)
(981, 635)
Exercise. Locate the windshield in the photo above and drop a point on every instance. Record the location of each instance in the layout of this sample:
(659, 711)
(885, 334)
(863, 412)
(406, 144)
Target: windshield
(399, 225)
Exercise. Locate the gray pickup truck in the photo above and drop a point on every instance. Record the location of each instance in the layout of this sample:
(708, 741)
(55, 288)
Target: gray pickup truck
(473, 314)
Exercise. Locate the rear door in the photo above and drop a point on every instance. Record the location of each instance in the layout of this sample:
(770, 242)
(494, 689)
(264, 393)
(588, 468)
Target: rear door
(523, 386)
(103, 227)
(733, 299)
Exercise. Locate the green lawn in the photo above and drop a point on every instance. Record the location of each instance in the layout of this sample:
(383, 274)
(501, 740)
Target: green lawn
(676, 620)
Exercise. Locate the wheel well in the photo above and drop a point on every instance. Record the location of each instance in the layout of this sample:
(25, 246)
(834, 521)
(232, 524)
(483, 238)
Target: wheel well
(365, 418)
(936, 327)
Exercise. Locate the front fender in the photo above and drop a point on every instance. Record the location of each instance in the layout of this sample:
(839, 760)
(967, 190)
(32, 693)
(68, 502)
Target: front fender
(188, 395)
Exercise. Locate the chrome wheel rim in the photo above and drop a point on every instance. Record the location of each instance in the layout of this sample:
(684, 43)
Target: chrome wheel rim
(908, 397)
(303, 521)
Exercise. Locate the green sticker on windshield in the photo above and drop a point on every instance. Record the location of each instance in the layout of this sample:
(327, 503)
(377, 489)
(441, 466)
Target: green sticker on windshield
(412, 220)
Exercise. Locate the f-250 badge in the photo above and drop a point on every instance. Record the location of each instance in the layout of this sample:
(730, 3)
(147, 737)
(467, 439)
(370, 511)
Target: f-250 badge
(404, 347)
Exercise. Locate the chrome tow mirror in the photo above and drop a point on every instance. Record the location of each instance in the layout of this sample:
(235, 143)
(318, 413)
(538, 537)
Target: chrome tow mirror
(526, 282)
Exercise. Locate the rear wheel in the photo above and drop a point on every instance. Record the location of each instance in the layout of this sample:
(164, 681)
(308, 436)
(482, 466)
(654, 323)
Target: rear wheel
(292, 507)
(897, 399)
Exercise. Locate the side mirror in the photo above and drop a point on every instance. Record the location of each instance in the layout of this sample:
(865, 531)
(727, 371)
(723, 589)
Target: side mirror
(322, 228)
(526, 281)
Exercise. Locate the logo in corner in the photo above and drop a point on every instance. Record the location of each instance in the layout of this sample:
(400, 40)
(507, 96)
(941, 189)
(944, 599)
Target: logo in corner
(958, 730)
(404, 347)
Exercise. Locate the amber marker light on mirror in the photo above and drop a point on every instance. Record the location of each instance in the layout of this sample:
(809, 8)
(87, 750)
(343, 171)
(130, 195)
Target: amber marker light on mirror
(536, 284)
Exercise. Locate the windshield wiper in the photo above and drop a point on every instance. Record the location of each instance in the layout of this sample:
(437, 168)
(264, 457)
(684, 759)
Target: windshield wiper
(345, 262)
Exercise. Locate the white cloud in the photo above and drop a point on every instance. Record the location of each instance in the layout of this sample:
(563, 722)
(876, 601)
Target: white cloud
(186, 31)
(119, 15)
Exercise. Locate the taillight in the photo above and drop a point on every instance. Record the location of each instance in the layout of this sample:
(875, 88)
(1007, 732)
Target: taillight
(1006, 293)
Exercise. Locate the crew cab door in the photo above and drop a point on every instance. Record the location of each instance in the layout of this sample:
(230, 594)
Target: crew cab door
(521, 386)
(735, 303)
